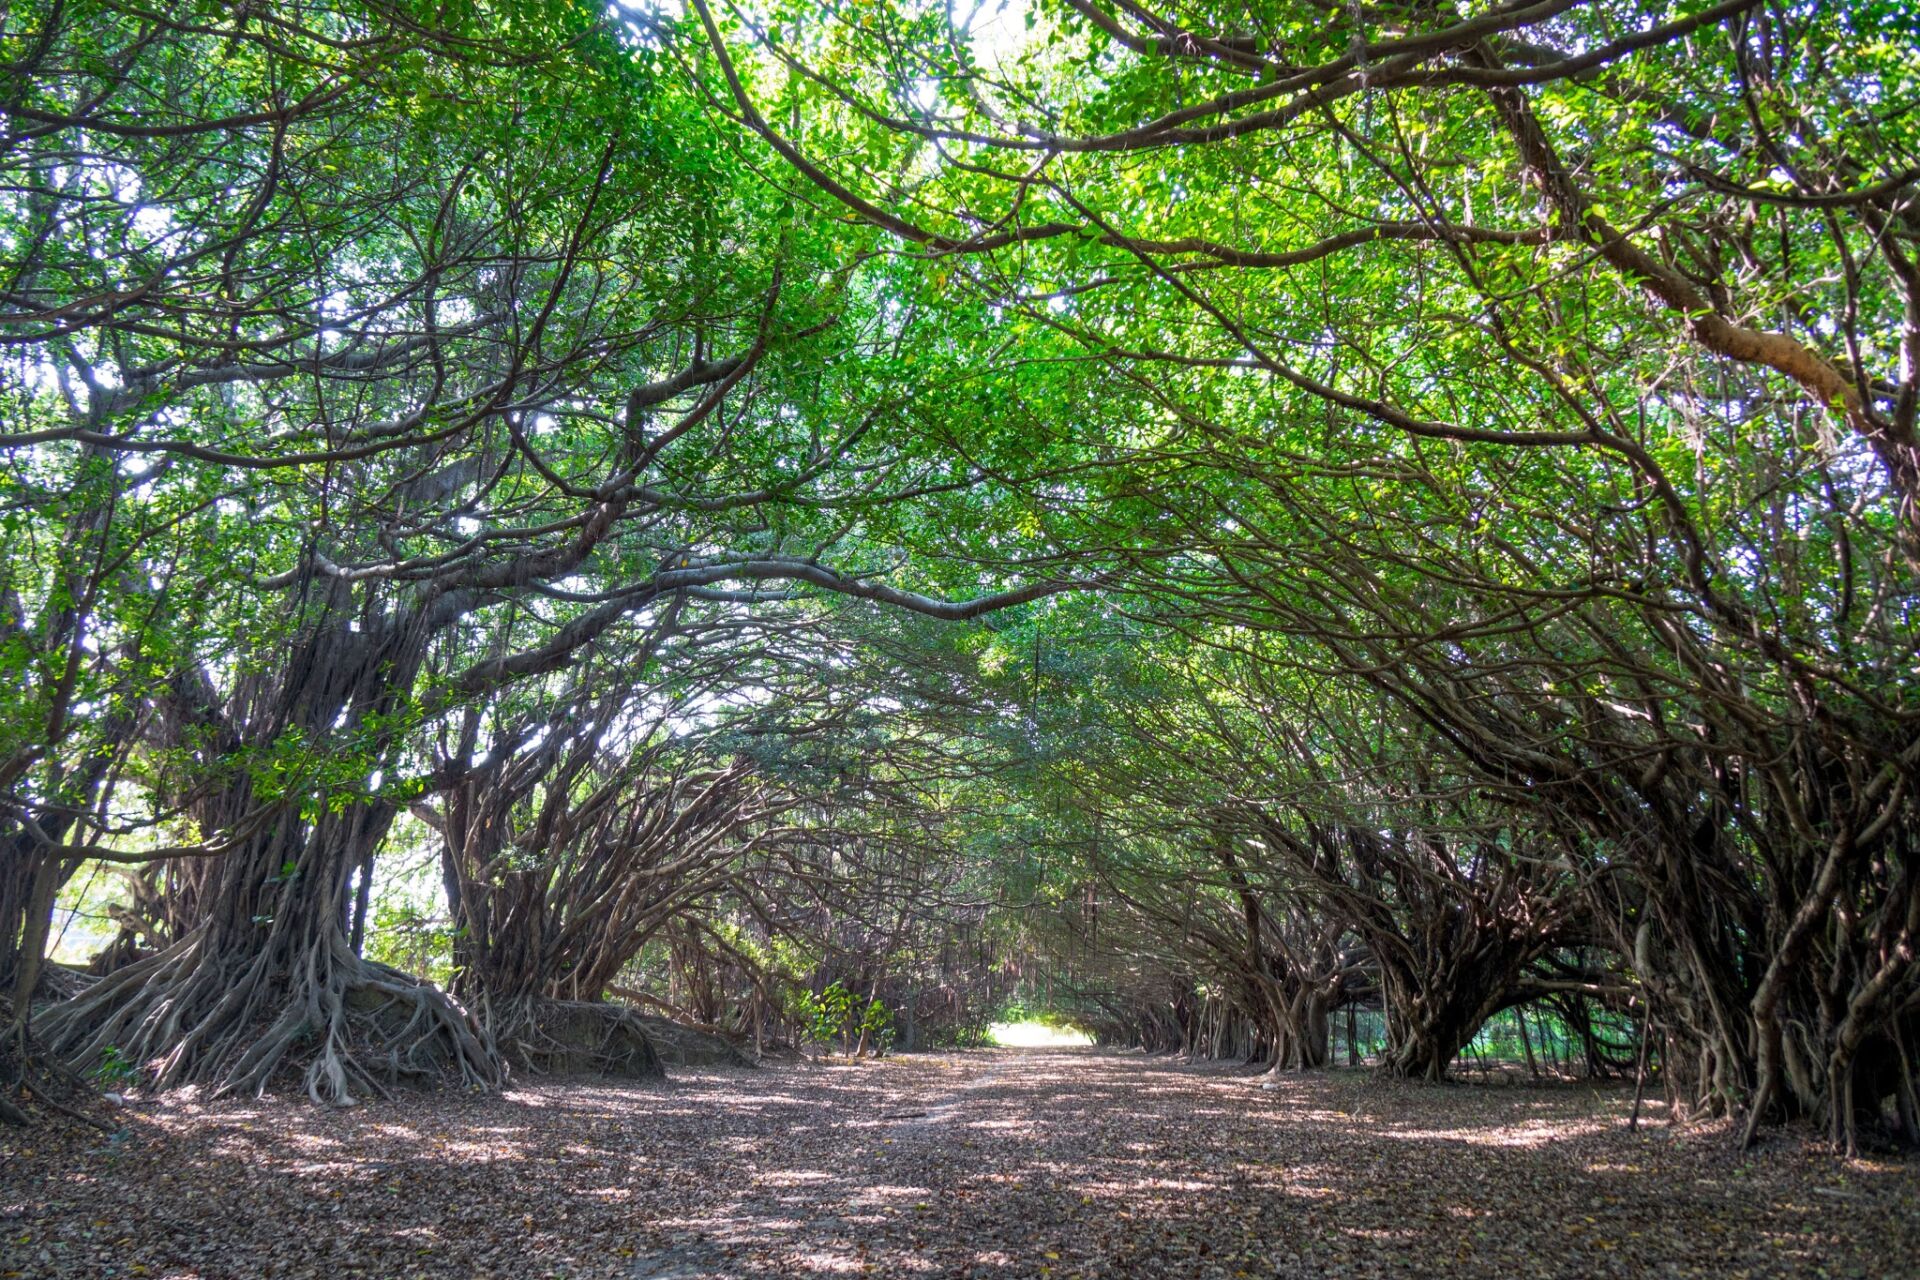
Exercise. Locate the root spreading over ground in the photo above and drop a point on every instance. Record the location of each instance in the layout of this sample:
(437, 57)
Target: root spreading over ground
(1000, 1164)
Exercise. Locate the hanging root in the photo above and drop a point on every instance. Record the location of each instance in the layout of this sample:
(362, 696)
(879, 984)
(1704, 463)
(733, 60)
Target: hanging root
(347, 1027)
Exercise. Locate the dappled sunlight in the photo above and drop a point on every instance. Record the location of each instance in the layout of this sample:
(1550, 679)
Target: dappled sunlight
(1003, 1126)
(792, 1178)
(891, 1198)
(1005, 1163)
(1528, 1135)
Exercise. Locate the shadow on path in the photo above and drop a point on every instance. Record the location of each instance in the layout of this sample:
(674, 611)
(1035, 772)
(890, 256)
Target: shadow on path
(1006, 1163)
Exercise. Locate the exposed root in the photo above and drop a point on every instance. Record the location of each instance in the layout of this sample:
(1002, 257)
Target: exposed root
(349, 1027)
(33, 1082)
(574, 1036)
(680, 1045)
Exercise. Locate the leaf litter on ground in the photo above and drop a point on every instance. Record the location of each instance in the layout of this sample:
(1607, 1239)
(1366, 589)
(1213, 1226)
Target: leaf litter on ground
(984, 1164)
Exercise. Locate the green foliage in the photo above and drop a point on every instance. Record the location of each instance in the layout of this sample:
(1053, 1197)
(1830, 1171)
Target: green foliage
(1414, 417)
(835, 1015)
(412, 938)
(114, 1070)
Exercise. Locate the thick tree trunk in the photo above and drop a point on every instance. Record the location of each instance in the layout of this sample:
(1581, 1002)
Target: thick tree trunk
(267, 978)
(1316, 1041)
(270, 976)
(16, 879)
(1427, 1048)
(1433, 1015)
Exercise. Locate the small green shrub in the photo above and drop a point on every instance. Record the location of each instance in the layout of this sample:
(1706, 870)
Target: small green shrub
(115, 1070)
(836, 1014)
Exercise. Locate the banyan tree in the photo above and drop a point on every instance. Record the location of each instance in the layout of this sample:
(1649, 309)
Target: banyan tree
(1245, 519)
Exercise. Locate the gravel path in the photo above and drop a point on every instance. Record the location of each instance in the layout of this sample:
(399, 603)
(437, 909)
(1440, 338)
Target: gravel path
(997, 1164)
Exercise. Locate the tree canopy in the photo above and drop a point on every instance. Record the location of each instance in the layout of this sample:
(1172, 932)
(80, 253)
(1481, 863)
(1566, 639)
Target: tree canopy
(1205, 517)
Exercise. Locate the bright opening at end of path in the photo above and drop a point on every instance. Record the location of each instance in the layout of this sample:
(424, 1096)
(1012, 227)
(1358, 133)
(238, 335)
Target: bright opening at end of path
(1037, 1035)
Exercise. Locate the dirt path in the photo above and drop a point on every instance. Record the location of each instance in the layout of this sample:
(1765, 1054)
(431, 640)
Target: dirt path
(991, 1165)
